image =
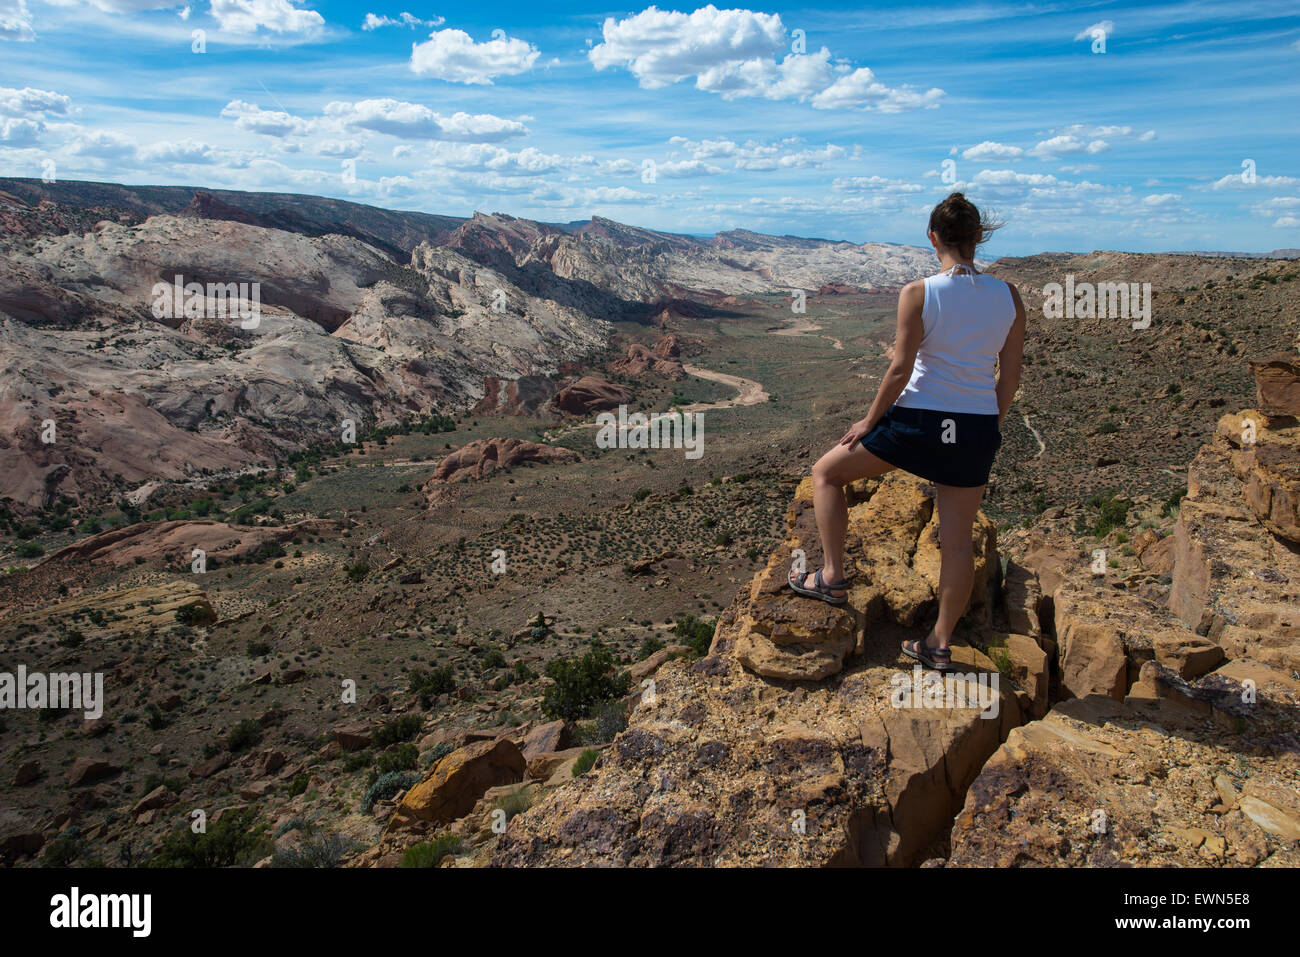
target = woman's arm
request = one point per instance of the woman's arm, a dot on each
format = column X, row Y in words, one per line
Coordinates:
column 1010, row 358
column 910, row 332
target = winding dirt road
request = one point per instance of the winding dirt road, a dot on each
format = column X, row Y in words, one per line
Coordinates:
column 748, row 392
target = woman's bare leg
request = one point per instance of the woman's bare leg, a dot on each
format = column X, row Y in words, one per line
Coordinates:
column 834, row 470
column 957, row 508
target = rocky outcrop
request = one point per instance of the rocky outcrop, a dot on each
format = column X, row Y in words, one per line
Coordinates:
column 590, row 394
column 174, row 542
column 482, row 457
column 660, row 361
column 1175, row 738
column 803, row 738
column 527, row 395
column 893, row 556
column 1277, row 384
column 454, row 785
column 1137, row 724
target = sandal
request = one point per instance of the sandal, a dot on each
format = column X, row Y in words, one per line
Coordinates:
column 940, row 659
column 820, row 589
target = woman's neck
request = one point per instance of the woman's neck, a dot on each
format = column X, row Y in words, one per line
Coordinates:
column 949, row 259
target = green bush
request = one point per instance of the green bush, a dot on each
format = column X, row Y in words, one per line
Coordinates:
column 318, row 850
column 244, row 735
column 436, row 754
column 583, row 683
column 386, row 787
column 403, row 728
column 610, row 719
column 429, row 684
column 404, row 757
column 516, row 801
column 236, row 839
column 649, row 645
column 432, row 852
column 585, row 762
column 695, row 633
column 1112, row 513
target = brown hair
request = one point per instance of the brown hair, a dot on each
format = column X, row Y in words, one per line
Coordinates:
column 960, row 226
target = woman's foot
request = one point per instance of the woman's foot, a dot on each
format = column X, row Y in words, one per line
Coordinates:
column 937, row 655
column 812, row 585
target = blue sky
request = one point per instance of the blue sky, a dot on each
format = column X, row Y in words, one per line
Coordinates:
column 1087, row 126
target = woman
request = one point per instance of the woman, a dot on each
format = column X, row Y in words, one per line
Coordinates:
column 938, row 415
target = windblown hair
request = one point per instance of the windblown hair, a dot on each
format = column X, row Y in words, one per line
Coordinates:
column 960, row 226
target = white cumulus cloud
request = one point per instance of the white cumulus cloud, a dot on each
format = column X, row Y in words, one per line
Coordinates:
column 416, row 121
column 454, row 56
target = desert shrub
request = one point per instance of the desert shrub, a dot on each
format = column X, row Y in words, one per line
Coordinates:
column 244, row 735
column 695, row 633
column 257, row 649
column 236, row 839
column 386, row 787
column 64, row 849
column 649, row 645
column 403, row 728
column 192, row 614
column 404, row 757
column 29, row 550
column 1112, row 512
column 429, row 684
column 522, row 672
column 358, row 571
column 609, row 720
column 436, row 754
column 585, row 762
column 430, row 853
column 516, row 801
column 583, row 683
column 323, row 850
column 299, row 784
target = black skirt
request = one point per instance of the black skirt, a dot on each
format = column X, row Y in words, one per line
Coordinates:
column 946, row 448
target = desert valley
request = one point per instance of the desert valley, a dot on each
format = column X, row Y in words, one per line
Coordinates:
column 366, row 586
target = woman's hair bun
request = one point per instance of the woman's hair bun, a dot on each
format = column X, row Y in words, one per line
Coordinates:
column 960, row 225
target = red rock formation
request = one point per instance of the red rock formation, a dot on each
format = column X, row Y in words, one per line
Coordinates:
column 590, row 394
column 482, row 457
column 526, row 395
column 661, row 361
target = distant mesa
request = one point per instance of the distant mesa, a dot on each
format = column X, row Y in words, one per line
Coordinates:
column 590, row 394
column 482, row 457
column 206, row 206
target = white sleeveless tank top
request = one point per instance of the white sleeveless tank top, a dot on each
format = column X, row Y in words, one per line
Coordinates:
column 966, row 317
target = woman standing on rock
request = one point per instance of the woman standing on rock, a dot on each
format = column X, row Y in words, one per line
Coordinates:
column 938, row 415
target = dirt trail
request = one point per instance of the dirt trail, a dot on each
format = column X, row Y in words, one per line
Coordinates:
column 803, row 327
column 748, row 391
column 1042, row 446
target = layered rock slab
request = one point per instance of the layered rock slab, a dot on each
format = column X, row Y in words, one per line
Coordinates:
column 892, row 553
column 721, row 767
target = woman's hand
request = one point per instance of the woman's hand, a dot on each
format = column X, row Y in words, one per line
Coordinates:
column 855, row 433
